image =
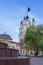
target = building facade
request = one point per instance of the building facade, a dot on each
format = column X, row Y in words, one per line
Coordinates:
column 5, row 38
column 24, row 25
column 22, row 30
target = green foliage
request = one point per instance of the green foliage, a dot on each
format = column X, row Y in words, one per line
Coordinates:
column 33, row 36
column 40, row 31
column 40, row 45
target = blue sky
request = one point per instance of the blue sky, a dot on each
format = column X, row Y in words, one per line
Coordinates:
column 13, row 11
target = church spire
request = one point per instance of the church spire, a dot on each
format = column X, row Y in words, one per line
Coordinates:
column 33, row 22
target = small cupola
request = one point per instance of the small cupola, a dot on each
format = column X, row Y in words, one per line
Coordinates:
column 33, row 22
column 21, row 22
column 27, row 17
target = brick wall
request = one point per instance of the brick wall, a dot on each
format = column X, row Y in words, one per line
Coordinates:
column 7, row 52
column 15, row 61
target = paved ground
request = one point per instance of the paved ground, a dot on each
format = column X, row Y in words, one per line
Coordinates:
column 36, row 61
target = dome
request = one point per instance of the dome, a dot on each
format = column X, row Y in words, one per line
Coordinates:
column 33, row 20
column 21, row 22
column 27, row 17
column 5, row 36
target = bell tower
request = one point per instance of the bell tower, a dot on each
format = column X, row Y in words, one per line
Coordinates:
column 23, row 26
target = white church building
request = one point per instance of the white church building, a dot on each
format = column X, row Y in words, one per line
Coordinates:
column 22, row 30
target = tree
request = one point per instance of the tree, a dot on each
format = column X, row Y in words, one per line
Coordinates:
column 32, row 38
column 40, row 30
column 40, row 45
